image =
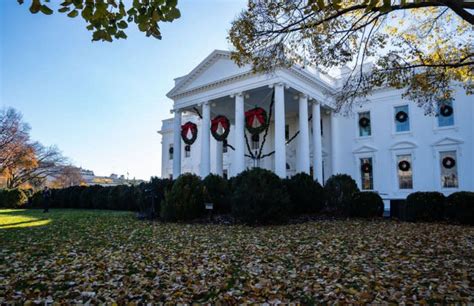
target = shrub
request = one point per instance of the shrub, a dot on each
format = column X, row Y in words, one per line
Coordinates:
column 306, row 194
column 460, row 207
column 218, row 192
column 259, row 196
column 12, row 198
column 185, row 200
column 425, row 206
column 366, row 205
column 338, row 192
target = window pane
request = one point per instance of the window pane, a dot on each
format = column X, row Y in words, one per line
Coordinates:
column 405, row 172
column 364, row 124
column 449, row 169
column 445, row 113
column 400, row 124
column 366, row 172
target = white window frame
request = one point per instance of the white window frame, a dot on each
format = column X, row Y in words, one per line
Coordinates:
column 395, row 155
column 365, row 151
column 443, row 149
column 438, row 128
column 357, row 127
column 362, row 156
column 393, row 122
column 169, row 147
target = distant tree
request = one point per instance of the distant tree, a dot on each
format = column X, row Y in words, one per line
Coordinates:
column 68, row 176
column 108, row 19
column 38, row 163
column 426, row 47
column 14, row 137
column 21, row 160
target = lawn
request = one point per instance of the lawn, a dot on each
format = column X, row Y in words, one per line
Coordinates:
column 99, row 256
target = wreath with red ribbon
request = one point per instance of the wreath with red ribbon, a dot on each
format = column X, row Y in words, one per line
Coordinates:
column 189, row 132
column 256, row 120
column 220, row 127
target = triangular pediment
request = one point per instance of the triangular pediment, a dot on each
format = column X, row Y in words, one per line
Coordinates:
column 216, row 67
column 364, row 149
column 447, row 141
column 402, row 145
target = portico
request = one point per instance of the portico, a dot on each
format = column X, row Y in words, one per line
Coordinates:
column 286, row 95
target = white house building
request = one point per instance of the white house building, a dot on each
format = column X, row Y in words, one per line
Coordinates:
column 387, row 145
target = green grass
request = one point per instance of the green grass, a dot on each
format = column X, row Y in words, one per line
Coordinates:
column 106, row 256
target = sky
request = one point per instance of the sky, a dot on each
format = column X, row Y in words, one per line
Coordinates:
column 102, row 103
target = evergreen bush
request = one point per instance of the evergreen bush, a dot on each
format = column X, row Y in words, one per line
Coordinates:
column 338, row 192
column 185, row 200
column 366, row 205
column 425, row 206
column 12, row 198
column 218, row 193
column 306, row 194
column 460, row 207
column 260, row 197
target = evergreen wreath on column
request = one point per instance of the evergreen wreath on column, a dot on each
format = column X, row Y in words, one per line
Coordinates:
column 256, row 120
column 189, row 132
column 220, row 127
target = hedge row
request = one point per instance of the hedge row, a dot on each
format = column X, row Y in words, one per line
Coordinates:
column 434, row 206
column 13, row 198
column 255, row 196
column 258, row 196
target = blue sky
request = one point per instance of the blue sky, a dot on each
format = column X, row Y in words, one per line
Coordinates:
column 102, row 103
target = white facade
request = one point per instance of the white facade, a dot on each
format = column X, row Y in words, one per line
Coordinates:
column 217, row 86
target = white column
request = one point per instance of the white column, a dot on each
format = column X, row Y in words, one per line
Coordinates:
column 206, row 140
column 334, row 135
column 280, row 146
column 239, row 153
column 317, row 143
column 303, row 143
column 219, row 158
column 177, row 144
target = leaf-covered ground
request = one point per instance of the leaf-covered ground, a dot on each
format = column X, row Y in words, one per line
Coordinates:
column 99, row 256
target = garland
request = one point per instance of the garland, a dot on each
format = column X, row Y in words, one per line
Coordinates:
column 256, row 120
column 220, row 128
column 189, row 127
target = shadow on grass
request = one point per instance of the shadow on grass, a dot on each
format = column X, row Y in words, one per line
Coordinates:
column 21, row 218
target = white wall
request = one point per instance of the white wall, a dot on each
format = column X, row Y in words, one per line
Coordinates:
column 424, row 141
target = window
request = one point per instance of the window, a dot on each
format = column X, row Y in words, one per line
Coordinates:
column 449, row 169
column 404, row 172
column 321, row 123
column 364, row 124
column 287, row 132
column 366, row 173
column 187, row 151
column 402, row 119
column 170, row 152
column 255, row 142
column 445, row 113
column 225, row 173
